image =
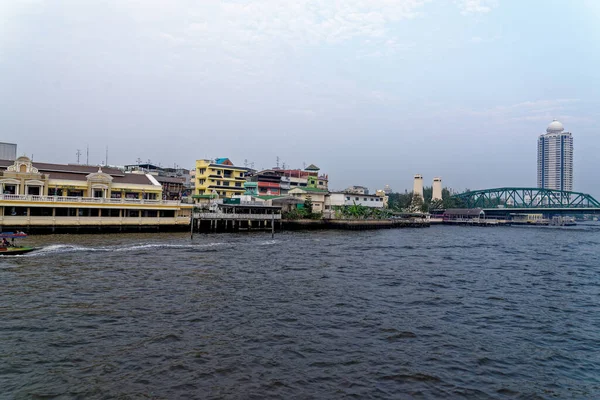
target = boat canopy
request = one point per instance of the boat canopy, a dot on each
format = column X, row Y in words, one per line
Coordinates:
column 12, row 235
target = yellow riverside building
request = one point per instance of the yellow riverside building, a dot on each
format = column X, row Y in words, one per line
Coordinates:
column 40, row 196
column 218, row 177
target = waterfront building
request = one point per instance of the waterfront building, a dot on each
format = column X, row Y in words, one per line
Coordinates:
column 269, row 182
column 309, row 177
column 384, row 195
column 340, row 199
column 555, row 158
column 357, row 190
column 316, row 195
column 143, row 168
column 219, row 177
column 59, row 195
column 173, row 188
column 176, row 181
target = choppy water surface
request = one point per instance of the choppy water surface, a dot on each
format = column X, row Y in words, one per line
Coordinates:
column 429, row 313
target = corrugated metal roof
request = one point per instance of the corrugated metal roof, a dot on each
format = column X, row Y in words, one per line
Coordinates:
column 80, row 172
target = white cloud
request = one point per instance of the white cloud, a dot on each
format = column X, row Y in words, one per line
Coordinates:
column 476, row 6
column 305, row 22
column 530, row 110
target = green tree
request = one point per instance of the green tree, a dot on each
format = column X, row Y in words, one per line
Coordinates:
column 308, row 205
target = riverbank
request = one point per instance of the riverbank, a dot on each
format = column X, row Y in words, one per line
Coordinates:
column 347, row 224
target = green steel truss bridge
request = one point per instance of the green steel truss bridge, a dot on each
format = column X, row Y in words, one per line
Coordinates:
column 510, row 199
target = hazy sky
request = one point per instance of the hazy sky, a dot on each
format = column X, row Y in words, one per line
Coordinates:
column 371, row 91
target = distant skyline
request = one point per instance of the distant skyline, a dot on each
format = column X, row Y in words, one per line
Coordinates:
column 372, row 92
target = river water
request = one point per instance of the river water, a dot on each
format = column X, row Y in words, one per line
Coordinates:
column 427, row 313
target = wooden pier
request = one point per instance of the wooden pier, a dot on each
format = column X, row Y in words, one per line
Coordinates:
column 236, row 218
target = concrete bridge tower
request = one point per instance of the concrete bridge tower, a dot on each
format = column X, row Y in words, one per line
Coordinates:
column 418, row 185
column 437, row 189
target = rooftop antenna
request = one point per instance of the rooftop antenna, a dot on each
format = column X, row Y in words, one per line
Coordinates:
column 246, row 162
column 78, row 155
column 277, row 162
column 106, row 157
column 138, row 161
column 87, row 155
column 304, row 164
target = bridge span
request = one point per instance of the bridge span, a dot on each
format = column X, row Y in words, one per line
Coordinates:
column 513, row 200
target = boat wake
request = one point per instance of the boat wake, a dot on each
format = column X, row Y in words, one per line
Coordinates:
column 69, row 248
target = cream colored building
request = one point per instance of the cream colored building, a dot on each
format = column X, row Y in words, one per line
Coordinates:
column 317, row 196
column 43, row 194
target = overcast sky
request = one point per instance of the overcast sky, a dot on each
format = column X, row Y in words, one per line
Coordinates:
column 371, row 91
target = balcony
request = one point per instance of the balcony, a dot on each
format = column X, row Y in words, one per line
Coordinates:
column 235, row 216
column 85, row 200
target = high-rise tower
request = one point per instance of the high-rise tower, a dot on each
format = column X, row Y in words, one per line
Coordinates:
column 555, row 158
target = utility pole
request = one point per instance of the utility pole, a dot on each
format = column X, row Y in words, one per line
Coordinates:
column 78, row 155
column 273, row 224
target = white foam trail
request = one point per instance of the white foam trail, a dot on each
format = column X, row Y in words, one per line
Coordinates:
column 268, row 242
column 67, row 248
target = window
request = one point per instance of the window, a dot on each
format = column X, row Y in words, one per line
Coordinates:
column 238, row 184
column 132, row 213
column 40, row 212
column 10, row 189
column 15, row 211
column 356, row 198
column 201, row 171
column 347, row 197
column 33, row 190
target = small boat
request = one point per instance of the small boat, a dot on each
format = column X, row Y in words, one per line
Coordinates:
column 9, row 248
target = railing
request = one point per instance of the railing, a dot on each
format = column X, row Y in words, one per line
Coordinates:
column 76, row 199
column 237, row 216
column 23, row 220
